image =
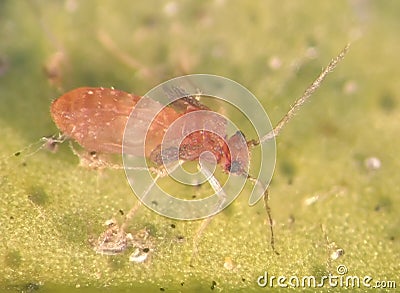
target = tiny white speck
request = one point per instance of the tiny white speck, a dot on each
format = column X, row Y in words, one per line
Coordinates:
column 109, row 222
column 138, row 256
column 275, row 62
column 228, row 264
column 90, row 92
column 311, row 200
column 337, row 253
column 171, row 8
column 71, row 5
column 220, row 2
column 350, row 87
column 372, row 163
column 312, row 52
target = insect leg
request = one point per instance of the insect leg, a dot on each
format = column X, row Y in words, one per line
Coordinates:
column 94, row 160
column 134, row 209
column 268, row 210
column 216, row 186
column 115, row 239
column 160, row 172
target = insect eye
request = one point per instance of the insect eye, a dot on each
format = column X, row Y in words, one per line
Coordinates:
column 236, row 167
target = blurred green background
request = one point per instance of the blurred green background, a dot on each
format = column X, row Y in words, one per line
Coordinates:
column 337, row 161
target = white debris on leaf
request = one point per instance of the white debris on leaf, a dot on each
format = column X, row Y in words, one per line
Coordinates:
column 114, row 241
column 139, row 255
column 372, row 163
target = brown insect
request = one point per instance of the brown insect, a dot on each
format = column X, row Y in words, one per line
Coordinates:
column 96, row 118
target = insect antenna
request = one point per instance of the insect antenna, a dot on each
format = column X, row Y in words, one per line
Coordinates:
column 289, row 115
column 46, row 142
column 303, row 98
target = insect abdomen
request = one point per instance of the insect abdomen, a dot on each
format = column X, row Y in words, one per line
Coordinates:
column 94, row 117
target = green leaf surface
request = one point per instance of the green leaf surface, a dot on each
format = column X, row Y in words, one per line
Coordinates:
column 336, row 179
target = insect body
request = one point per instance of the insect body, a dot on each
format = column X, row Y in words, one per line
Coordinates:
column 96, row 119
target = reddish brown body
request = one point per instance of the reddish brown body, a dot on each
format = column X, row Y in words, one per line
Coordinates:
column 96, row 119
